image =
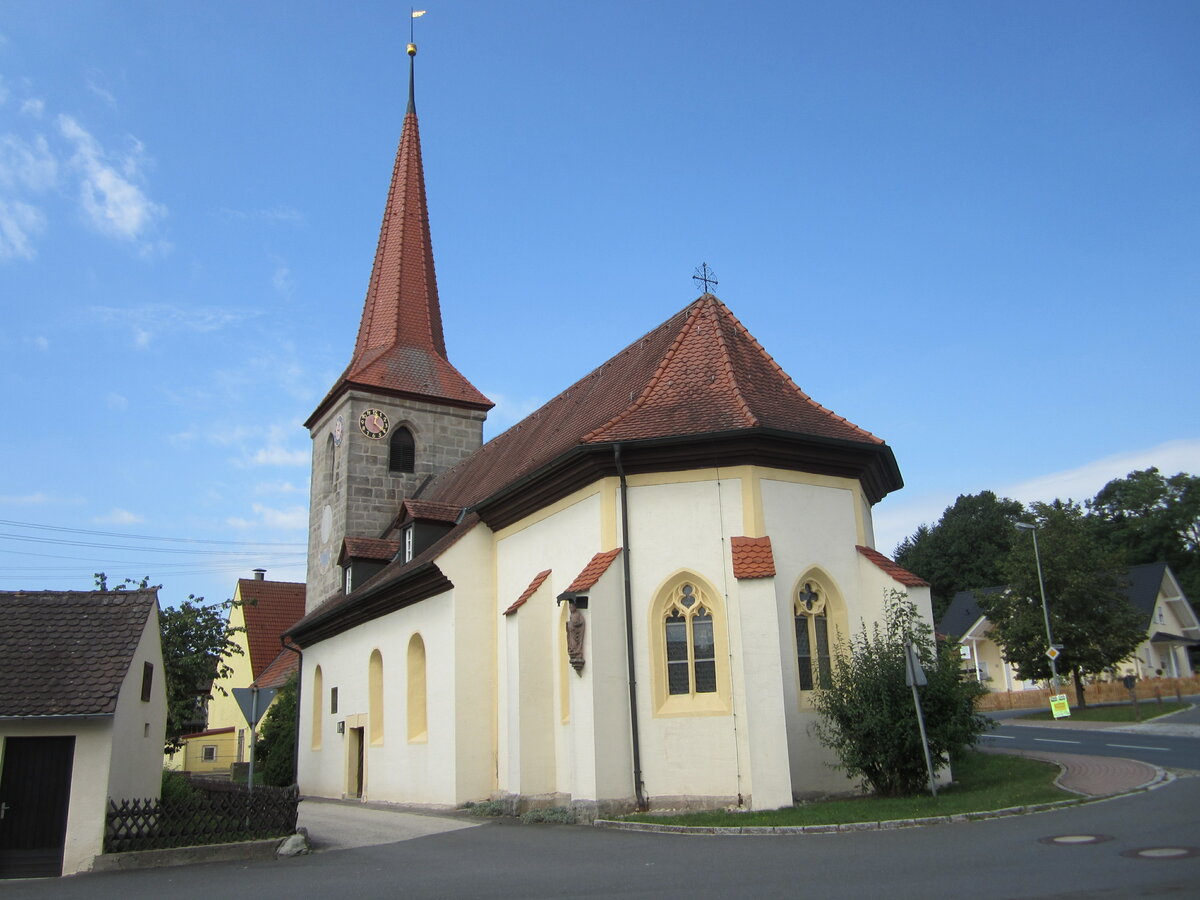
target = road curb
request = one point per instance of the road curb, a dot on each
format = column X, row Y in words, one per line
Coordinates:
column 1161, row 778
column 186, row 856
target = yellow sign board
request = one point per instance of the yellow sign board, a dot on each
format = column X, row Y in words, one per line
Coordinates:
column 1059, row 706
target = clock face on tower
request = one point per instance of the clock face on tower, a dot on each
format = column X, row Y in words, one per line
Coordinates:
column 373, row 423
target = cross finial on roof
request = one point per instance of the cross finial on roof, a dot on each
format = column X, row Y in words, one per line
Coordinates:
column 704, row 276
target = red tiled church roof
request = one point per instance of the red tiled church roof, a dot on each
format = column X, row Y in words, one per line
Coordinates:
column 752, row 557
column 700, row 372
column 892, row 568
column 529, row 592
column 270, row 608
column 400, row 347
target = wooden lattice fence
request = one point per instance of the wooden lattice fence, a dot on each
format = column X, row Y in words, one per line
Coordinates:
column 207, row 817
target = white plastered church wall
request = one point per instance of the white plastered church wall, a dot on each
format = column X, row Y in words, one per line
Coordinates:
column 397, row 770
column 535, row 757
column 684, row 525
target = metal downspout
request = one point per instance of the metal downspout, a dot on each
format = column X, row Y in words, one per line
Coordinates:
column 633, row 715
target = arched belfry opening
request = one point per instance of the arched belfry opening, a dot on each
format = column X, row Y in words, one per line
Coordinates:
column 402, row 452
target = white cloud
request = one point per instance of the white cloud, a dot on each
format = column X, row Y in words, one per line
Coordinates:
column 40, row 342
column 112, row 203
column 117, row 402
column 282, row 280
column 150, row 321
column 33, row 107
column 27, row 164
column 1085, row 481
column 897, row 519
column 278, row 487
column 19, row 224
column 276, row 455
column 118, row 516
column 102, row 92
column 293, row 518
column 35, row 499
column 276, row 214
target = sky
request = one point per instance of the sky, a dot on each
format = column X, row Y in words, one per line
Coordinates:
column 970, row 228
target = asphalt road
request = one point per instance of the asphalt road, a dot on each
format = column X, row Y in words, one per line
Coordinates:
column 1011, row 857
column 1167, row 751
column 1172, row 742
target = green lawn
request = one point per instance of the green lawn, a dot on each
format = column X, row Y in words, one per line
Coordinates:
column 1147, row 709
column 983, row 781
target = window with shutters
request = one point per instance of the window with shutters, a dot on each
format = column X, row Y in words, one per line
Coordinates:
column 402, row 455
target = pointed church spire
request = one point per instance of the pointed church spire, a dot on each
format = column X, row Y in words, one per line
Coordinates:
column 400, row 347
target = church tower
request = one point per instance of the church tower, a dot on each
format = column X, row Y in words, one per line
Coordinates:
column 400, row 412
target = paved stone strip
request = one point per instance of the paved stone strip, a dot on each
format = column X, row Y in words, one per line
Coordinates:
column 1097, row 776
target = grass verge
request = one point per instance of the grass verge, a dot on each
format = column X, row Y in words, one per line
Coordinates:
column 1147, row 709
column 982, row 781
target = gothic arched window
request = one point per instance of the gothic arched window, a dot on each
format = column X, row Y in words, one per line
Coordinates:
column 812, row 636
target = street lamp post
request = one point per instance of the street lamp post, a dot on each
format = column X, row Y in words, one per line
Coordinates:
column 1032, row 529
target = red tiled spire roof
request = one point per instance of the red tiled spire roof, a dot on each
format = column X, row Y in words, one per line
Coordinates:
column 892, row 568
column 752, row 557
column 700, row 372
column 400, row 347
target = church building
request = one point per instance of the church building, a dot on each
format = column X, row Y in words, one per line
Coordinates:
column 625, row 600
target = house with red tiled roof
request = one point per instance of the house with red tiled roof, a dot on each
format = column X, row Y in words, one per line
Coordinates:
column 260, row 614
column 83, row 713
column 626, row 599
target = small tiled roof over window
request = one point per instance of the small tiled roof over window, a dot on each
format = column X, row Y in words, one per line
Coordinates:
column 892, row 568
column 593, row 570
column 528, row 592
column 65, row 653
column 271, row 608
column 752, row 557
column 368, row 548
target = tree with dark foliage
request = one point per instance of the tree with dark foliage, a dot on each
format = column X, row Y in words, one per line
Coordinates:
column 1090, row 614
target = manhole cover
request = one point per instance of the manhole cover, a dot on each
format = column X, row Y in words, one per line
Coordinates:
column 1163, row 853
column 1070, row 839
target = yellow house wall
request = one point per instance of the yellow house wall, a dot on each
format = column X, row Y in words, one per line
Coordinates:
column 223, row 709
column 226, row 745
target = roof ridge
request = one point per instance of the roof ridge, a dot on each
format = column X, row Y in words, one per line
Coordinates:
column 720, row 308
column 654, row 380
column 779, row 370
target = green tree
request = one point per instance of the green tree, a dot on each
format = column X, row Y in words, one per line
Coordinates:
column 965, row 550
column 1152, row 518
column 1090, row 615
column 866, row 713
column 196, row 642
column 276, row 749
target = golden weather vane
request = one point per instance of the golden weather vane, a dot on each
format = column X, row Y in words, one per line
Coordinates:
column 416, row 14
